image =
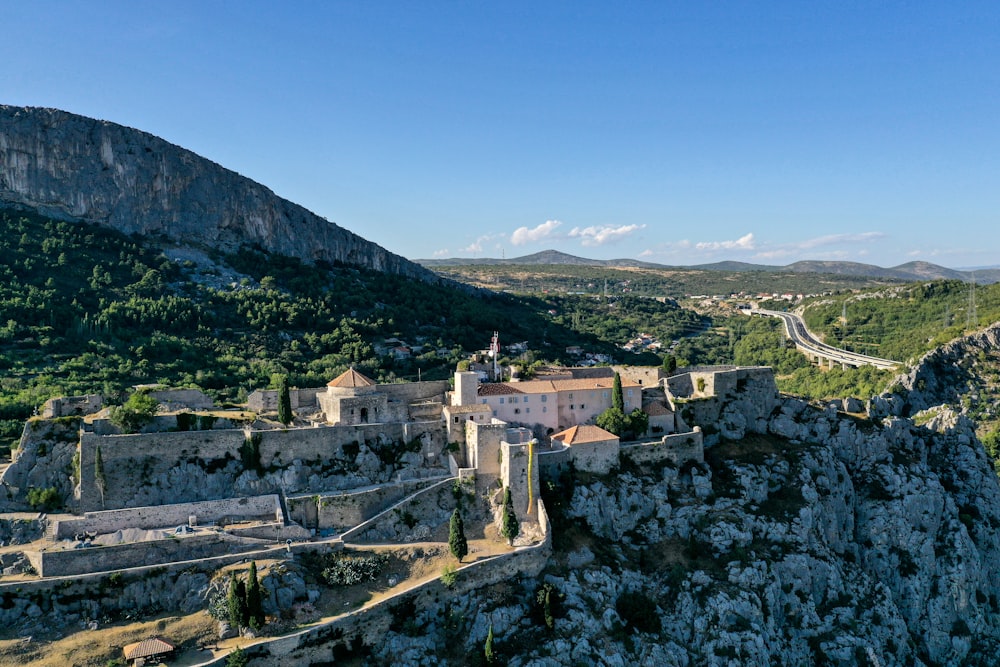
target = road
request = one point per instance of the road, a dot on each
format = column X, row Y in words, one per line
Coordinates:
column 795, row 329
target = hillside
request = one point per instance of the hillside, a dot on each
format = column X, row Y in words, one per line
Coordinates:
column 908, row 272
column 74, row 168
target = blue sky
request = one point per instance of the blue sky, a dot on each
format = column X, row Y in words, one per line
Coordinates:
column 677, row 132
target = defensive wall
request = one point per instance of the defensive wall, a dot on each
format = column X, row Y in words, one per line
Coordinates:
column 67, row 562
column 413, row 519
column 677, row 448
column 169, row 587
column 343, row 510
column 328, row 642
column 404, row 393
column 165, row 516
column 702, row 396
column 130, row 460
column 166, row 424
column 69, row 406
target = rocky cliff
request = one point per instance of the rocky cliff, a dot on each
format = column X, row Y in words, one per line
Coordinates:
column 809, row 538
column 81, row 169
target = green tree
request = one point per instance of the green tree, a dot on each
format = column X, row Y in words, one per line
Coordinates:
column 456, row 536
column 136, row 412
column 488, row 652
column 637, row 423
column 509, row 525
column 255, row 608
column 612, row 420
column 99, row 479
column 284, row 401
column 238, row 658
column 669, row 364
column 617, row 397
column 236, row 602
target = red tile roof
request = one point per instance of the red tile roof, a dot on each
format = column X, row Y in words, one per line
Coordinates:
column 148, row 648
column 577, row 435
column 351, row 379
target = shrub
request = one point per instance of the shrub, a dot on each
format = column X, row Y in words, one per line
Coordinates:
column 44, row 499
column 638, row 611
column 349, row 570
column 449, row 575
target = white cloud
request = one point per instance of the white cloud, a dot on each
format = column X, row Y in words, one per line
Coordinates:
column 443, row 252
column 523, row 235
column 592, row 236
column 743, row 243
column 477, row 245
column 795, row 250
column 833, row 239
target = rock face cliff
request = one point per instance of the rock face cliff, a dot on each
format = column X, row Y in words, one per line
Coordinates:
column 810, row 537
column 80, row 169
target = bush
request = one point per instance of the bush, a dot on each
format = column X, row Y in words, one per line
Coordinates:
column 351, row 570
column 638, row 611
column 44, row 499
column 138, row 411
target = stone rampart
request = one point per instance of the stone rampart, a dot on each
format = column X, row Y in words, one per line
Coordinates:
column 67, row 406
column 164, row 424
column 552, row 463
column 368, row 626
column 341, row 511
column 677, row 447
column 67, row 562
column 410, row 520
column 167, row 516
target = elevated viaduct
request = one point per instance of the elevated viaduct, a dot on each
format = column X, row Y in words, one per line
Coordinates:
column 815, row 349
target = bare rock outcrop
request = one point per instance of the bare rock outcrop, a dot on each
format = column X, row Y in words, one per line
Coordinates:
column 75, row 168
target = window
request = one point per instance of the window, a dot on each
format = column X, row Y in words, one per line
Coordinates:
column 571, row 397
column 604, row 394
column 525, row 399
column 501, row 400
column 517, row 411
column 626, row 404
column 544, row 409
column 582, row 406
column 544, row 398
column 572, row 407
column 456, row 420
column 527, row 410
column 629, row 392
column 484, row 401
column 494, row 413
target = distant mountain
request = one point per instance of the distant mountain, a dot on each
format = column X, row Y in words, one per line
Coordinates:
column 909, row 272
column 79, row 169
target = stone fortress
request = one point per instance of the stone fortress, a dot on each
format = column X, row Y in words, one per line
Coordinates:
column 361, row 461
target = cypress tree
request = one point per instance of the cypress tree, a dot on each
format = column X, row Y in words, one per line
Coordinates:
column 284, row 402
column 509, row 525
column 255, row 609
column 456, row 536
column 99, row 479
column 617, row 398
column 236, row 602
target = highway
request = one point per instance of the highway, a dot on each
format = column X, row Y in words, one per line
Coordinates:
column 805, row 341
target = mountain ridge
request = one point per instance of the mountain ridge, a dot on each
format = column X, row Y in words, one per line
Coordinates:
column 910, row 271
column 81, row 169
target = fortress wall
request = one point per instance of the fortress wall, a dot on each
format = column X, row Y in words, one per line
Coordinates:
column 342, row 511
column 411, row 520
column 160, row 424
column 167, row 516
column 678, row 447
column 319, row 644
column 129, row 459
column 552, row 463
column 68, row 562
column 279, row 448
column 408, row 392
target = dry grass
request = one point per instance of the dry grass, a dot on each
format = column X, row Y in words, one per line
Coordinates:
column 96, row 648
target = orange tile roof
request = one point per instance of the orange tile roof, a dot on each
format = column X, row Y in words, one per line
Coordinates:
column 552, row 386
column 577, row 435
column 351, row 379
